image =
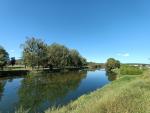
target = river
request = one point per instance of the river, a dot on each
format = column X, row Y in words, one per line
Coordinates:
column 42, row 91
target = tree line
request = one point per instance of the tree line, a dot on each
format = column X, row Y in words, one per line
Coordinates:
column 36, row 54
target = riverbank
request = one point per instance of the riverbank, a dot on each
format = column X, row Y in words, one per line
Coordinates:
column 21, row 70
column 14, row 73
column 128, row 94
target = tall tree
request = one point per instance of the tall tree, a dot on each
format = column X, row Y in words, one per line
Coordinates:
column 4, row 57
column 58, row 56
column 34, row 51
column 76, row 59
column 37, row 53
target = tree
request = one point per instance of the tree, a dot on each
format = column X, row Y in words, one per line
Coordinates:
column 4, row 57
column 75, row 58
column 112, row 64
column 12, row 61
column 34, row 52
column 37, row 53
column 58, row 56
column 83, row 61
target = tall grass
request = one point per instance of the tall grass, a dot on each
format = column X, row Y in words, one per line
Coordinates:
column 22, row 110
column 129, row 94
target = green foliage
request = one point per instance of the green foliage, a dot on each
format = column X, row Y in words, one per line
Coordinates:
column 36, row 53
column 129, row 94
column 58, row 55
column 13, row 61
column 21, row 110
column 76, row 59
column 111, row 75
column 4, row 57
column 93, row 65
column 130, row 70
column 112, row 64
column 49, row 87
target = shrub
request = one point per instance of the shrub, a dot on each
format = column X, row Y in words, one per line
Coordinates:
column 130, row 70
column 112, row 64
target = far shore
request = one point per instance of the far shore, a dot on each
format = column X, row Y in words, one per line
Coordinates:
column 21, row 71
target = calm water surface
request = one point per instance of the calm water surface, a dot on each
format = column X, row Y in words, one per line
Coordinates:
column 42, row 91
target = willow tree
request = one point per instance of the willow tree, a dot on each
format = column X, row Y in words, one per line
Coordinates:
column 4, row 57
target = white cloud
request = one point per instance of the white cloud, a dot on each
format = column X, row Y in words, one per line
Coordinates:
column 123, row 54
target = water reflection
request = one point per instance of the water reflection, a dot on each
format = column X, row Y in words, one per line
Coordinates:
column 48, row 89
column 2, row 84
column 111, row 75
column 42, row 90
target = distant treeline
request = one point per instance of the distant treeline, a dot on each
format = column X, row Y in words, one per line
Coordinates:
column 93, row 65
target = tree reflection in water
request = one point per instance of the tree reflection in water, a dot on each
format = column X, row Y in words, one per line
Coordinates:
column 111, row 75
column 2, row 85
column 48, row 88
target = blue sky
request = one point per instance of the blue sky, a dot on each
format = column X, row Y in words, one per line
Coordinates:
column 98, row 29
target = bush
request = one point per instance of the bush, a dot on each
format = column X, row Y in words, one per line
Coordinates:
column 130, row 70
column 112, row 64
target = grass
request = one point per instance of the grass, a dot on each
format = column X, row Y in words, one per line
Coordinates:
column 130, row 70
column 15, row 68
column 128, row 94
column 21, row 110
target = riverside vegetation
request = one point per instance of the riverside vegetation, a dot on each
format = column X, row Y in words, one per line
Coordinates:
column 129, row 93
column 38, row 55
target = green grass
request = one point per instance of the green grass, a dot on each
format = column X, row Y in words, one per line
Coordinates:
column 21, row 110
column 15, row 67
column 130, row 70
column 128, row 94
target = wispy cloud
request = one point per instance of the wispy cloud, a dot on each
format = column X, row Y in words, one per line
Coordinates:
column 123, row 54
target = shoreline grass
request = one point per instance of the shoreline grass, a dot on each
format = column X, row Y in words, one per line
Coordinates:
column 128, row 94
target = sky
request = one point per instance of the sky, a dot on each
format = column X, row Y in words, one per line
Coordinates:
column 98, row 29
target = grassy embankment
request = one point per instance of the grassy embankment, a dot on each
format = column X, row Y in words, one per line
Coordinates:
column 128, row 94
